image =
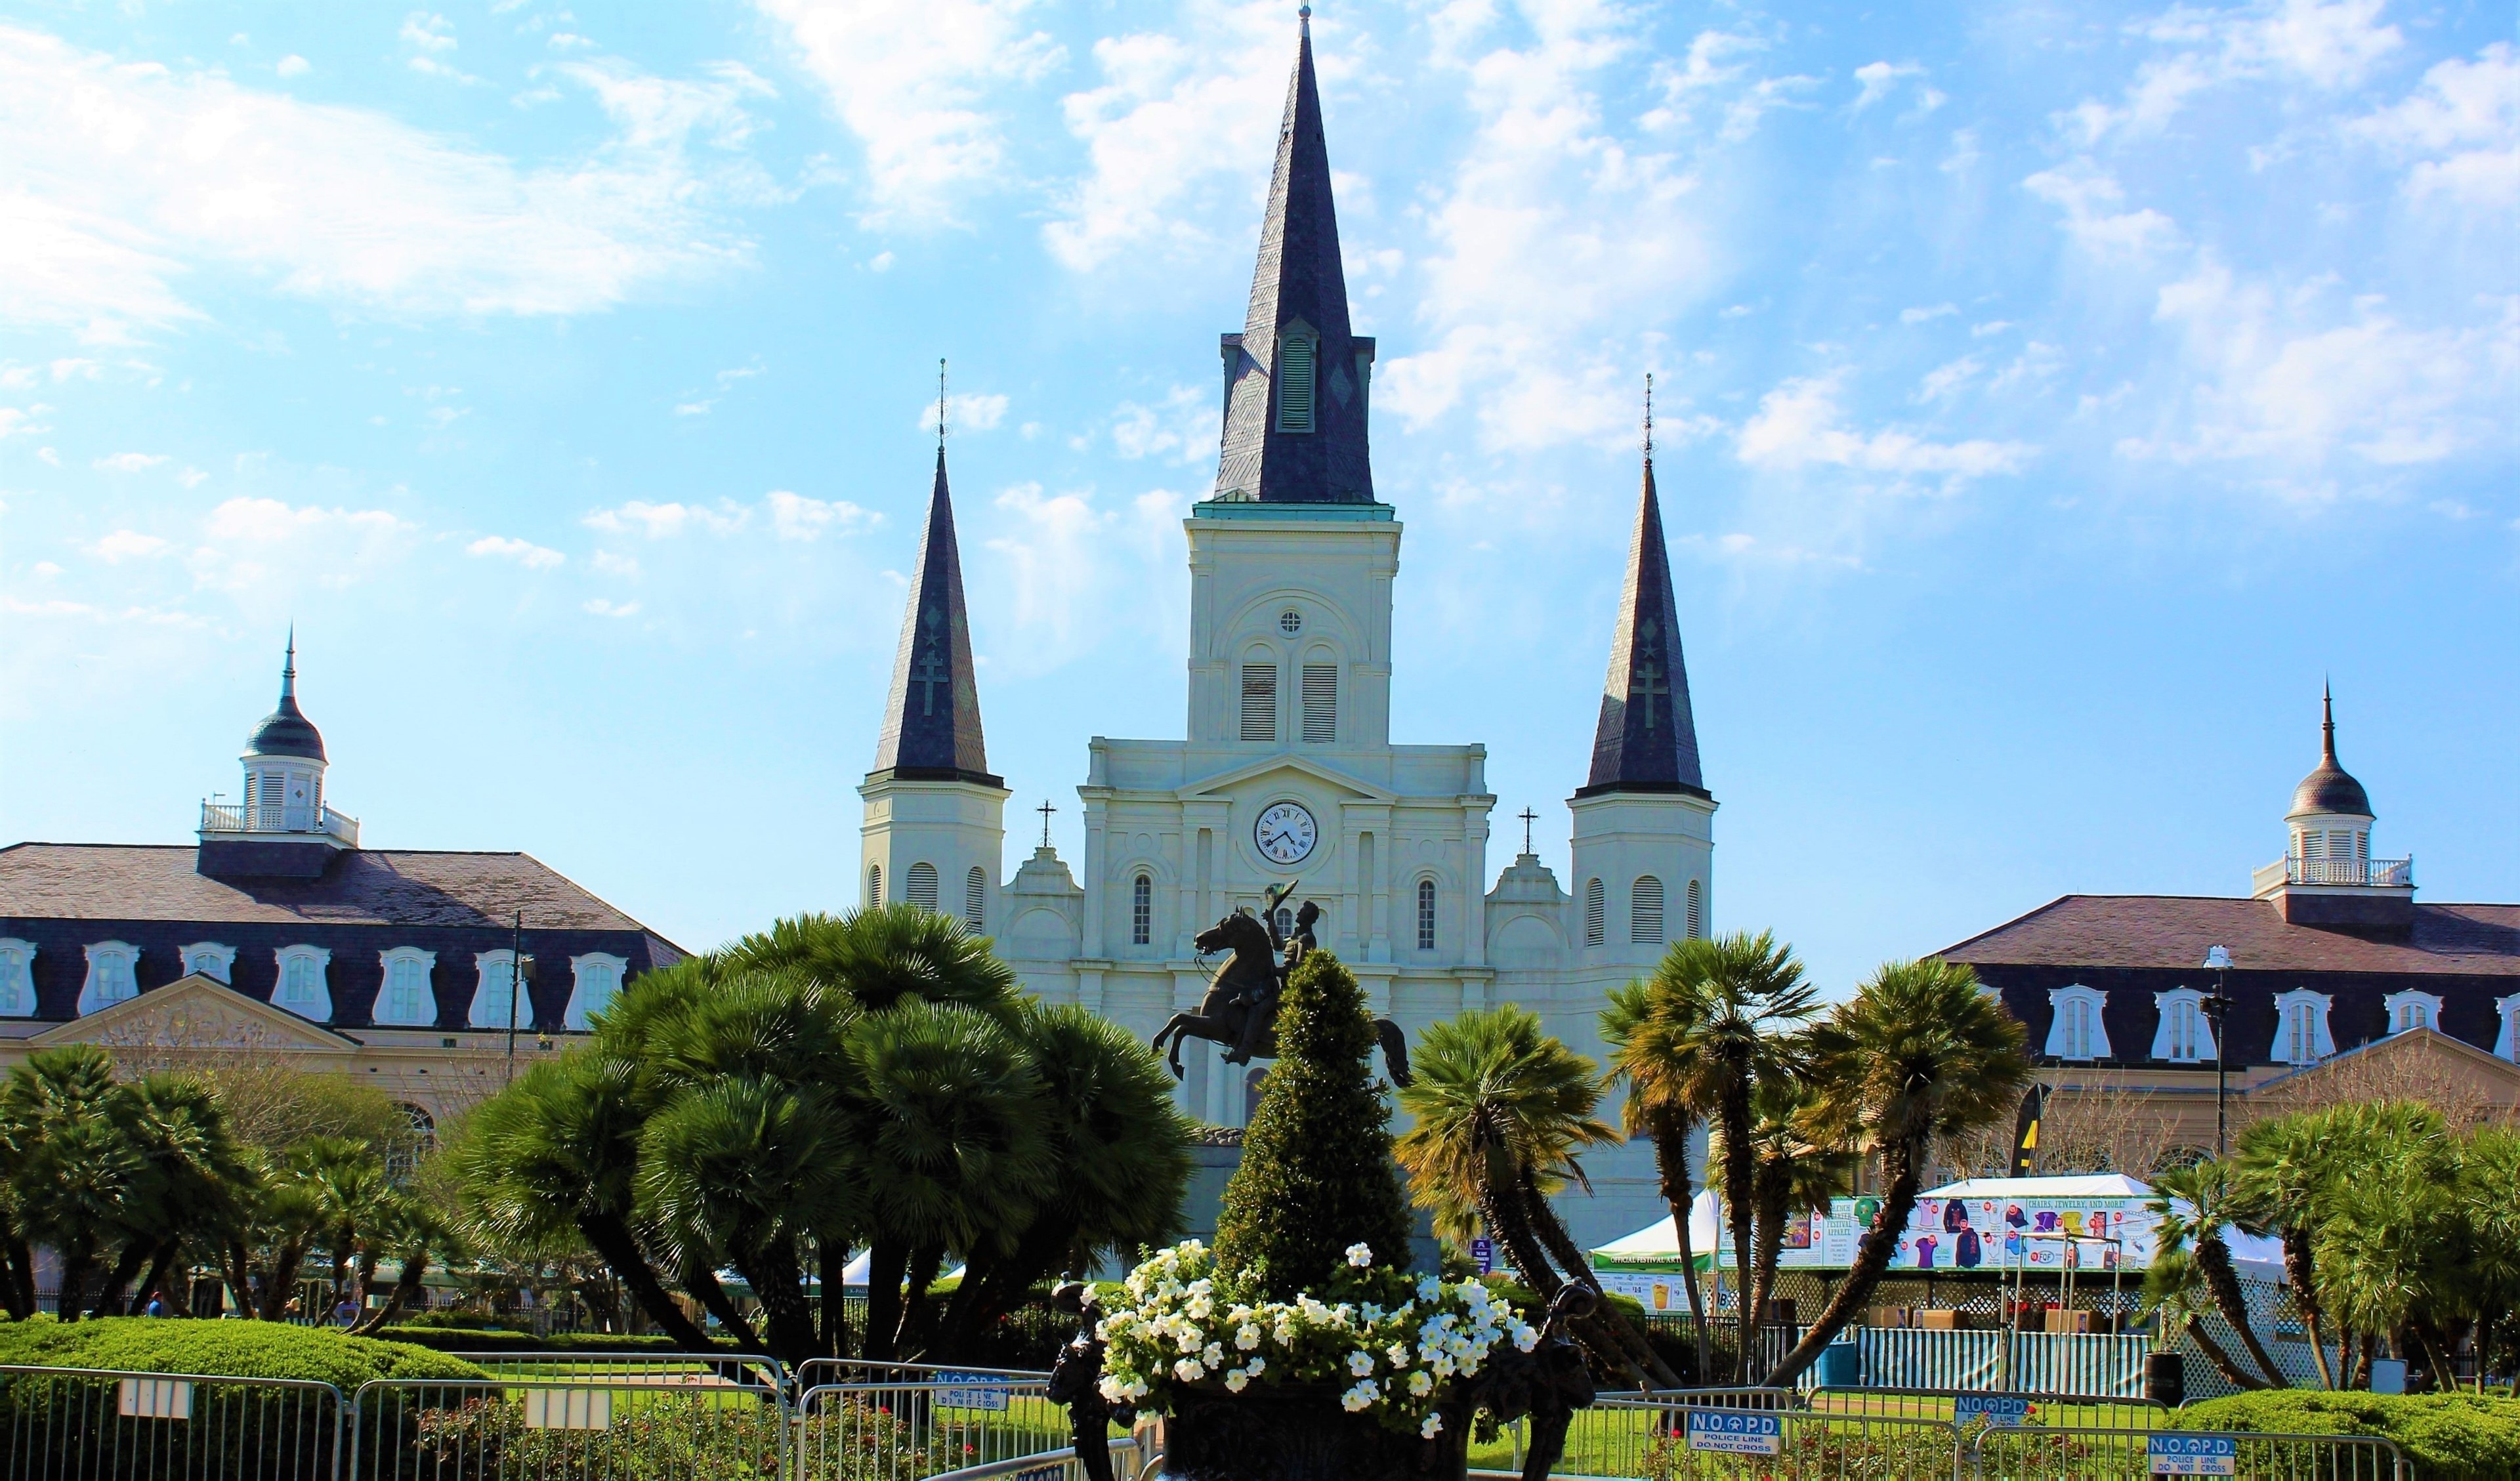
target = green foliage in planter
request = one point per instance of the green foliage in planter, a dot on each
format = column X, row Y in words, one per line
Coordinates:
column 232, row 1349
column 2448, row 1437
column 650, row 1436
column 1317, row 1173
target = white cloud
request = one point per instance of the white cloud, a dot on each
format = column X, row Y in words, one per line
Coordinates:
column 1798, row 425
column 117, row 180
column 794, row 516
column 294, row 65
column 15, row 420
column 1182, row 429
column 614, row 563
column 602, row 608
column 909, row 79
column 264, row 548
column 1175, row 116
column 1877, row 79
column 2289, row 380
column 702, row 406
column 2461, row 128
column 1946, row 380
column 524, row 552
column 1064, row 556
column 129, row 463
column 965, row 412
column 2326, row 46
column 1923, row 315
column 2087, row 196
column 664, row 521
column 424, row 32
column 129, row 544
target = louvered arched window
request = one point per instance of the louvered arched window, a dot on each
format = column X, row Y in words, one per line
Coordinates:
column 975, row 899
column 1296, row 367
column 922, row 887
column 1425, row 914
column 1142, row 910
column 1645, row 911
column 874, row 885
column 1696, row 912
column 1595, row 901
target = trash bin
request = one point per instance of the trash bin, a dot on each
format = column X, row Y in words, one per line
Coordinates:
column 1841, row 1364
column 2164, row 1379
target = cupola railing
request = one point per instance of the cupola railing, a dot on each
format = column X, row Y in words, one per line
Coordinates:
column 280, row 817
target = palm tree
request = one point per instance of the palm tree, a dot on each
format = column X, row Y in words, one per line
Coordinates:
column 2489, row 1171
column 2176, row 1299
column 882, row 953
column 1794, row 1174
column 1643, row 1024
column 2282, row 1173
column 2206, row 1189
column 1921, row 1053
column 413, row 1231
column 350, row 1179
column 2385, row 1246
column 1500, row 1111
column 193, row 1174
column 71, row 1182
column 1746, row 997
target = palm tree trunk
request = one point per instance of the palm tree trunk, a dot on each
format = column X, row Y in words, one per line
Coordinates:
column 832, row 1257
column 610, row 1239
column 1671, row 1160
column 886, row 1263
column 2298, row 1274
column 1649, row 1371
column 17, row 1278
column 407, row 1285
column 111, row 1301
column 702, row 1283
column 915, row 1303
column 1774, row 1187
column 281, row 1282
column 2214, row 1354
column 2445, row 1377
column 1902, row 1165
column 2214, row 1258
column 778, row 1283
column 1511, row 1229
column 161, row 1266
column 1740, row 1197
column 77, row 1266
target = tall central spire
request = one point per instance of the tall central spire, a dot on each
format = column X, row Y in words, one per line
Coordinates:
column 931, row 720
column 1646, row 737
column 1295, row 378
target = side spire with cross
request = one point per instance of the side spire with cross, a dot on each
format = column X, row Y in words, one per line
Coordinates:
column 932, row 719
column 1646, row 737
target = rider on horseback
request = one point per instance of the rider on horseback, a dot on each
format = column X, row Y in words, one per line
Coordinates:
column 1259, row 1000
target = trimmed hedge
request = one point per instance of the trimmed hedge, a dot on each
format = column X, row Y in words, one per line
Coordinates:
column 2448, row 1437
column 234, row 1349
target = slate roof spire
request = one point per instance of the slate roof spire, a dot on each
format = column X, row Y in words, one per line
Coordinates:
column 1296, row 379
column 931, row 720
column 286, row 731
column 1647, row 739
column 2330, row 788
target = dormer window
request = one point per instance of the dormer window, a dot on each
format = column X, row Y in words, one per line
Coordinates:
column 494, row 993
column 302, row 989
column 1298, row 366
column 113, row 975
column 406, row 996
column 209, row 959
column 2507, row 1018
column 2182, row 1037
column 2077, row 1029
column 597, row 977
column 16, row 979
column 2301, row 1028
column 2410, row 1010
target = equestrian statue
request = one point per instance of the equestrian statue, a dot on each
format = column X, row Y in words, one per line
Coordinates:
column 1240, row 1009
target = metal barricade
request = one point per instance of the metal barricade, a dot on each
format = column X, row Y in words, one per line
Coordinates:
column 1616, row 1429
column 817, row 1373
column 907, row 1431
column 98, row 1424
column 698, row 1368
column 1053, row 1466
column 1782, row 1444
column 2072, row 1455
column 1965, row 1407
column 596, row 1427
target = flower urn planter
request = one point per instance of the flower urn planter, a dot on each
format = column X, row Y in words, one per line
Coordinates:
column 1298, row 1432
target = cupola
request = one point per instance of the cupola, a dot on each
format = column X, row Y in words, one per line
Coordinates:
column 2328, row 875
column 280, row 825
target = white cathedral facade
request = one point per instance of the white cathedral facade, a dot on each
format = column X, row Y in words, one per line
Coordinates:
column 1286, row 773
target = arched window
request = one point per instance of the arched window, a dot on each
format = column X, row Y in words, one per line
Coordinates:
column 406, row 998
column 1696, row 908
column 403, row 1158
column 2302, row 1036
column 975, row 899
column 2409, row 1010
column 2506, row 1039
column 302, row 989
column 1594, row 912
column 113, row 975
column 2077, row 1029
column 209, row 959
column 1255, row 1084
column 1320, row 703
column 1285, row 924
column 1142, row 910
column 1259, row 701
column 1295, row 367
column 16, row 979
column 874, row 885
column 598, row 976
column 2183, row 1036
column 1645, row 911
column 922, row 887
column 1425, row 914
column 494, row 993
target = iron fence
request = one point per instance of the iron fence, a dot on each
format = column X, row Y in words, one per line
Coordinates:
column 815, row 1373
column 691, row 1370
column 897, row 1431
column 2074, row 1455
column 1984, row 1407
column 1057, row 1465
column 1701, row 1443
column 97, row 1424
column 592, row 1427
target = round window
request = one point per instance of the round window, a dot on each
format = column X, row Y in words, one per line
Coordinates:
column 1291, row 621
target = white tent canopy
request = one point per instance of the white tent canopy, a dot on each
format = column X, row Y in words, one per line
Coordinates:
column 855, row 1274
column 1659, row 1243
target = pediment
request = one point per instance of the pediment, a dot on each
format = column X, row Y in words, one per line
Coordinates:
column 2420, row 1063
column 1278, row 765
column 198, row 1012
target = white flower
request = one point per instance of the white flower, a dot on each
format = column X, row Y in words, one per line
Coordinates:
column 1398, row 1355
column 1114, row 1391
column 1422, row 1383
column 1359, row 1254
column 1255, row 1367
column 1433, row 1427
column 1429, row 1288
column 1525, row 1335
column 1236, row 1380
column 1247, row 1338
column 1188, row 1370
column 1360, row 1396
column 1360, row 1363
column 1214, row 1355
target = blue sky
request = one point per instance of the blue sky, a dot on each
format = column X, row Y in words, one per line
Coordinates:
column 2049, row 396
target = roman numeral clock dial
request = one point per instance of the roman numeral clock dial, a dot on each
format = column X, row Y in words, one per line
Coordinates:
column 1285, row 834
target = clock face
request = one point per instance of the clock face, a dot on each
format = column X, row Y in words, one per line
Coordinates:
column 1285, row 834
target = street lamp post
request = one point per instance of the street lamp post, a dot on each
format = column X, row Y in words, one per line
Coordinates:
column 520, row 977
column 2218, row 961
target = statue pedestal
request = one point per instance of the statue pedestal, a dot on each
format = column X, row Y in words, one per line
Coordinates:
column 1298, row 1433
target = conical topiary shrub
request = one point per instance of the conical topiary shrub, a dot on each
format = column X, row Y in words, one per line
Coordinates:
column 1317, row 1173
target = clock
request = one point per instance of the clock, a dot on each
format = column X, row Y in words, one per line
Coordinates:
column 1285, row 834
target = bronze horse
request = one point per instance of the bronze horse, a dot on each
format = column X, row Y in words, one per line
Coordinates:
column 1241, row 1007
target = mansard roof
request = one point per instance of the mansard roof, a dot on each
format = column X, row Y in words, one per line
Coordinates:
column 1646, row 737
column 2172, row 932
column 1299, row 283
column 391, row 887
column 932, row 719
